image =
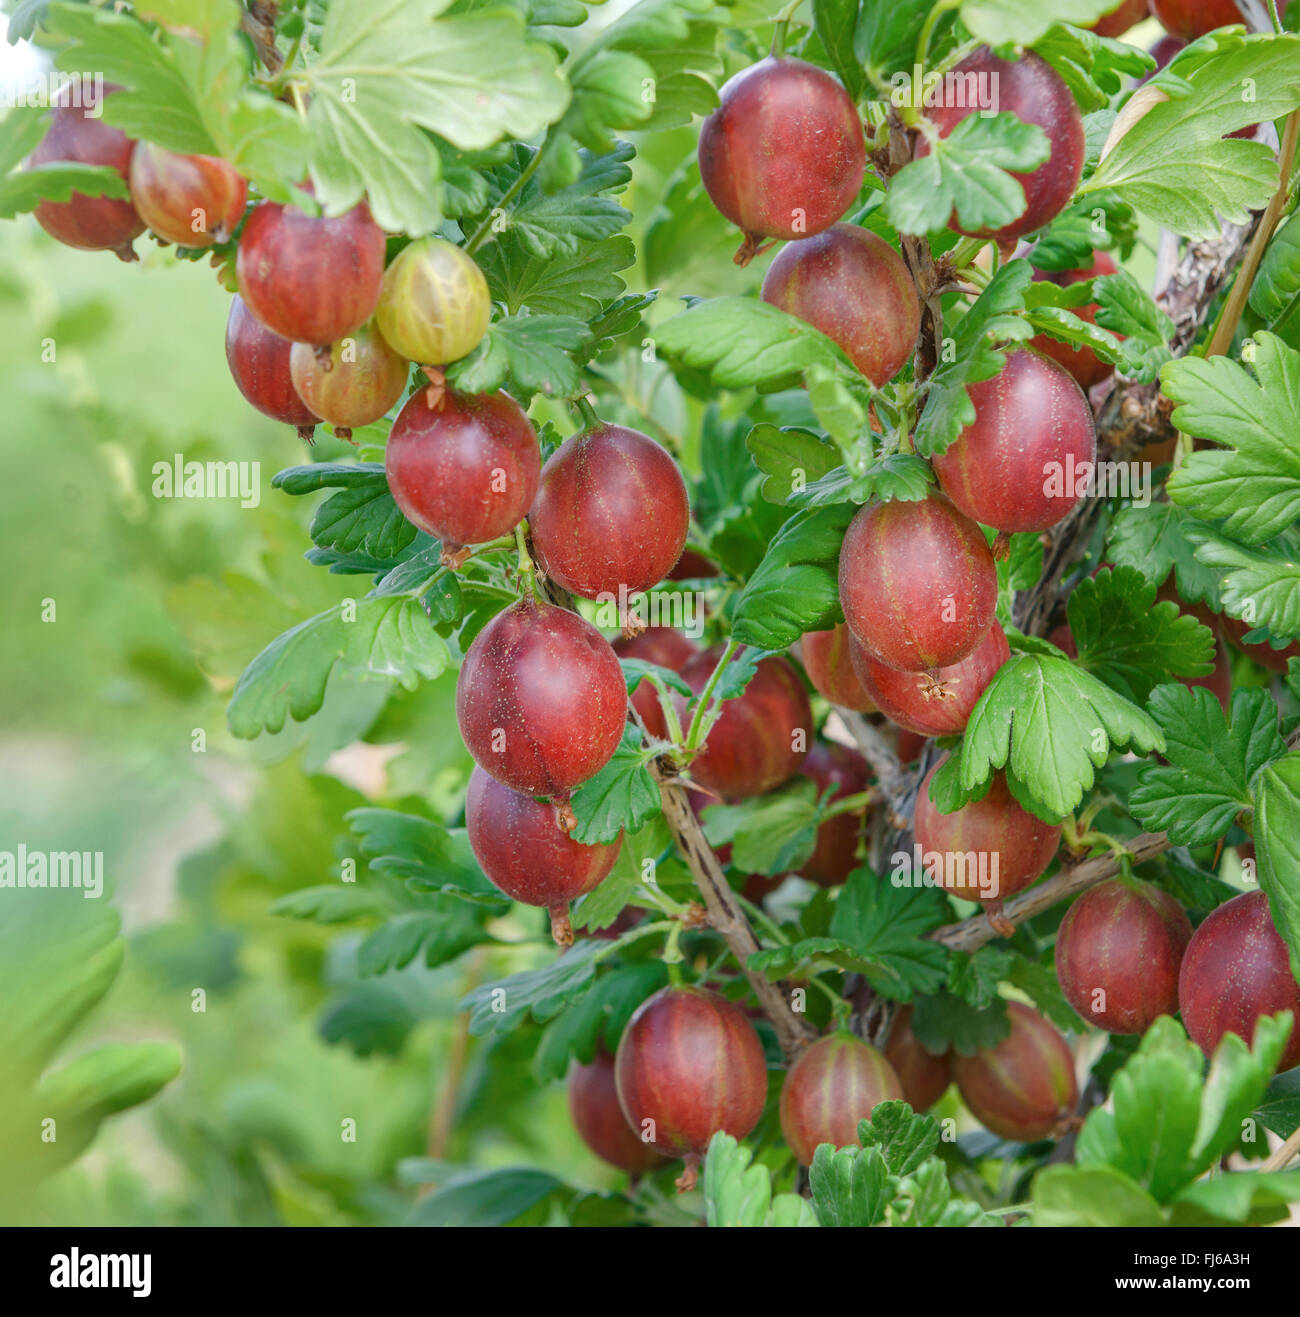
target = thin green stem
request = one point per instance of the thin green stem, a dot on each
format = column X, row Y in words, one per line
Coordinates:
column 586, row 412
column 782, row 25
column 706, row 696
column 850, row 804
column 527, row 568
column 768, row 925
column 515, row 188
column 927, row 31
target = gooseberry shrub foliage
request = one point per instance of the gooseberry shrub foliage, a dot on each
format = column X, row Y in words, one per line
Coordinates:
column 514, row 192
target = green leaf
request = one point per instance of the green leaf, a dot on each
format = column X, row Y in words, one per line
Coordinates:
column 968, row 173
column 906, row 1138
column 543, row 993
column 1253, row 483
column 1155, row 540
column 596, row 1019
column 1092, row 1196
column 621, row 797
column 790, row 458
column 1131, row 642
column 486, row 1198
column 1053, row 724
column 1244, row 1198
column 1164, row 1076
column 562, row 223
column 387, row 638
column 796, row 586
column 741, row 342
column 582, row 288
column 387, row 70
column 1277, row 285
column 1174, row 163
column 942, row 1022
column 1025, row 21
column 850, row 1186
column 835, row 22
column 974, row 357
column 334, row 903
column 1277, row 837
column 530, row 353
column 1213, row 761
column 770, row 834
column 423, row 853
column 1260, row 584
column 736, row 1193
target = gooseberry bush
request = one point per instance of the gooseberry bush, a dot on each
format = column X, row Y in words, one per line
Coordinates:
column 849, row 457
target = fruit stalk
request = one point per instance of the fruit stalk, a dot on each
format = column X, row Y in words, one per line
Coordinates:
column 725, row 914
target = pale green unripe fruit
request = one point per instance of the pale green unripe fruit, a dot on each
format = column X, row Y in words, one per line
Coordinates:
column 434, row 306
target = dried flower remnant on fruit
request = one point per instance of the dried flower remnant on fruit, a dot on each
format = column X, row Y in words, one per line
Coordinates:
column 191, row 200
column 517, row 842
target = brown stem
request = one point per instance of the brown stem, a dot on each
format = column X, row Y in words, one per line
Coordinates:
column 1236, row 302
column 893, row 779
column 1279, row 1159
column 258, row 22
column 1073, row 878
column 725, row 914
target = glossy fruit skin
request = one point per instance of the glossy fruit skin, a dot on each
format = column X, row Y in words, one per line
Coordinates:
column 191, row 200
column 751, row 748
column 523, row 850
column 924, row 1076
column 828, row 661
column 1125, row 942
column 365, row 378
column 611, row 513
column 994, row 827
column 1189, row 19
column 1084, row 365
column 259, row 362
column 1118, row 21
column 941, row 707
column 599, row 1120
column 1236, row 968
column 690, row 1062
column 834, row 857
column 854, row 287
column 465, row 469
column 308, row 278
column 667, row 648
column 1275, row 660
column 88, row 223
column 1023, row 1088
column 1035, row 93
column 903, row 567
column 783, row 155
column 540, row 699
column 833, row 1084
column 435, row 305
column 1032, row 423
